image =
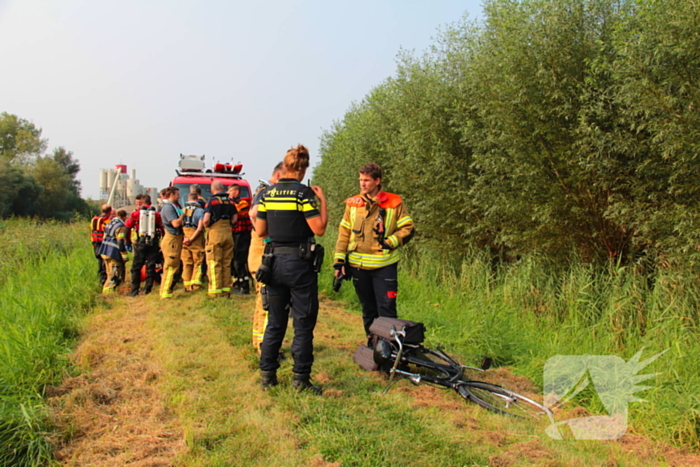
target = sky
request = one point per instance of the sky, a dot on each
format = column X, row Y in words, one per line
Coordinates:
column 138, row 82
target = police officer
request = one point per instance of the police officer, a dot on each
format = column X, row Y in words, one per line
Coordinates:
column 219, row 215
column 193, row 245
column 375, row 224
column 291, row 215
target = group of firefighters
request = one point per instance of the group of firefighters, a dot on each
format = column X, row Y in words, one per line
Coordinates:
column 284, row 217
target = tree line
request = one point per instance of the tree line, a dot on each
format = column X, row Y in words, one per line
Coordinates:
column 563, row 128
column 33, row 183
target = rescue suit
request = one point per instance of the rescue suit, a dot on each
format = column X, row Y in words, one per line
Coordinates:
column 241, row 241
column 219, row 246
column 146, row 249
column 113, row 252
column 369, row 235
column 171, row 247
column 192, row 253
column 255, row 253
column 97, row 233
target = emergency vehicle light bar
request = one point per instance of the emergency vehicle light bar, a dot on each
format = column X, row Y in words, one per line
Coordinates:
column 209, row 174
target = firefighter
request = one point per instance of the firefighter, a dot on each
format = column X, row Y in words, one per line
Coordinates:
column 291, row 215
column 193, row 244
column 375, row 224
column 113, row 252
column 146, row 247
column 219, row 215
column 241, row 241
column 257, row 247
column 97, row 227
column 171, row 245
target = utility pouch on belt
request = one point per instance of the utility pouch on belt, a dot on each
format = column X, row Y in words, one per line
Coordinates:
column 318, row 253
column 264, row 272
column 265, row 298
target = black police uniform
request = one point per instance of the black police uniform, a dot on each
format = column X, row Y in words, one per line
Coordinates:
column 286, row 206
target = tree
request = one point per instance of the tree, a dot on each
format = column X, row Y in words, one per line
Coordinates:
column 19, row 192
column 70, row 166
column 20, row 140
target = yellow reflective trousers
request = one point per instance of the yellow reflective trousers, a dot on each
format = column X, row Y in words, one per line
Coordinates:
column 257, row 247
column 219, row 252
column 171, row 246
column 192, row 259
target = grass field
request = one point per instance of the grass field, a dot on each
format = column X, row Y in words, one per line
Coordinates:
column 176, row 383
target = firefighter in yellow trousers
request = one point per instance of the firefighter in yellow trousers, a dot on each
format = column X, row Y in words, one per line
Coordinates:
column 257, row 248
column 219, row 216
column 171, row 245
column 113, row 252
column 193, row 245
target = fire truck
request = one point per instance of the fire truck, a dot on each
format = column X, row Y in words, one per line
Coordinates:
column 192, row 169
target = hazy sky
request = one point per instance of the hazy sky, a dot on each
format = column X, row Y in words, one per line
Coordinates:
column 139, row 82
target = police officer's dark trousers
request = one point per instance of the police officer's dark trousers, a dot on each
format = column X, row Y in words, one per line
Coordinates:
column 291, row 278
column 148, row 255
column 377, row 290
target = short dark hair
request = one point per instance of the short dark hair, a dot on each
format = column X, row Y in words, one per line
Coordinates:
column 192, row 196
column 139, row 196
column 121, row 214
column 146, row 199
column 373, row 170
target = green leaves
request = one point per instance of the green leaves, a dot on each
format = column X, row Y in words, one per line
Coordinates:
column 554, row 126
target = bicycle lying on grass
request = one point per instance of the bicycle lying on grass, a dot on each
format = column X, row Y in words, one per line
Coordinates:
column 397, row 349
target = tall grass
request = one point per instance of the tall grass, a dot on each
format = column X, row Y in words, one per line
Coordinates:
column 525, row 313
column 42, row 298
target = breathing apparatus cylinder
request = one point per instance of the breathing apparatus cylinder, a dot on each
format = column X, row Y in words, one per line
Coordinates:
column 151, row 229
column 143, row 215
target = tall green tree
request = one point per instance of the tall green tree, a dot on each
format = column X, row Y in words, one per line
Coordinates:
column 20, row 140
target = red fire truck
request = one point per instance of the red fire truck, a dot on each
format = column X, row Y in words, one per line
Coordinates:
column 192, row 169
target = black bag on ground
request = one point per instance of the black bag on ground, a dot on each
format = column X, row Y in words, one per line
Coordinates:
column 364, row 356
column 415, row 332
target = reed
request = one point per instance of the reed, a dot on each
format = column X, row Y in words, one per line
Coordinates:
column 47, row 286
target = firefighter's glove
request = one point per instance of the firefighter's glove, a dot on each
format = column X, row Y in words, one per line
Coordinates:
column 338, row 266
column 385, row 245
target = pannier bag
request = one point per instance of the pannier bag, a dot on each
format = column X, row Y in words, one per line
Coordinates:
column 364, row 356
column 415, row 332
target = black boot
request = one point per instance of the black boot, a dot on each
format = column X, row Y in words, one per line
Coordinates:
column 302, row 383
column 268, row 379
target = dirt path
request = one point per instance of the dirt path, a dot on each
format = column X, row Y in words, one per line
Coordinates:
column 117, row 412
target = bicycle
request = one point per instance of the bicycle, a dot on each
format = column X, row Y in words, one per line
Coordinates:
column 396, row 351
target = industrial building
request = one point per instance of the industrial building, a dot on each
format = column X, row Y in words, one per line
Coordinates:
column 120, row 189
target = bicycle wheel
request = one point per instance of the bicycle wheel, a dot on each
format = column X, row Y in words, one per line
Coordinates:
column 434, row 363
column 503, row 401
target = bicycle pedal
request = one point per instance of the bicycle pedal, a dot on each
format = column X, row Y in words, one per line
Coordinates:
column 486, row 363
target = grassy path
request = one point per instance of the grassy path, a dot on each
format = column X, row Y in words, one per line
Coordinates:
column 176, row 383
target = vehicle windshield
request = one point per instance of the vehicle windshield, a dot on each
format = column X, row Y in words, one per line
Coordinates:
column 206, row 191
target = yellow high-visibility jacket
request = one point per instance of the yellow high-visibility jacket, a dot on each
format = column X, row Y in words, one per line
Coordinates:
column 365, row 223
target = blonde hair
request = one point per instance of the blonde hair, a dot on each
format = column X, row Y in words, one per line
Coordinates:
column 296, row 159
